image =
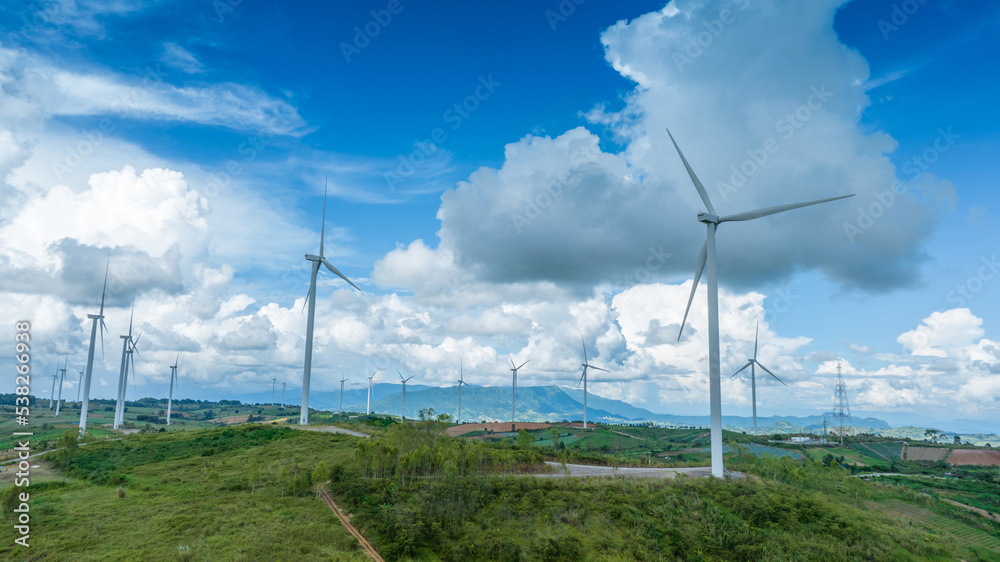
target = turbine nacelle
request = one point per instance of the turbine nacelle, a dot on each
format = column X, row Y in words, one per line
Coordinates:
column 708, row 218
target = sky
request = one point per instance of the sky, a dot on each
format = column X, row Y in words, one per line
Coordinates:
column 501, row 182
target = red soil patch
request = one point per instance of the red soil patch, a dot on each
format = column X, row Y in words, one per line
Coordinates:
column 502, row 427
column 925, row 453
column 975, row 457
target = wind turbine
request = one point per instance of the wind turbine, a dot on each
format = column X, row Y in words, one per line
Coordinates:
column 368, row 408
column 707, row 256
column 52, row 393
column 62, row 377
column 90, row 353
column 123, row 370
column 513, row 384
column 273, row 382
column 79, row 385
column 461, row 381
column 170, row 397
column 311, row 302
column 753, row 363
column 402, row 403
column 283, row 383
column 341, row 412
column 583, row 380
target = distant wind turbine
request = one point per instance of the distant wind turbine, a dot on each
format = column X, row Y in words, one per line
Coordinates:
column 368, row 408
column 402, row 403
column 173, row 378
column 90, row 353
column 513, row 384
column 311, row 302
column 461, row 382
column 583, row 380
column 62, row 378
column 52, row 393
column 707, row 257
column 753, row 363
column 341, row 412
column 274, row 381
column 283, row 383
column 123, row 370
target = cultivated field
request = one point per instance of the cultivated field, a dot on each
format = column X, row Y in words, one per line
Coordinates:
column 925, row 453
column 502, row 427
column 974, row 457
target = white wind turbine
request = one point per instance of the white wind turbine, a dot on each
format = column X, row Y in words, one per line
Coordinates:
column 62, row 378
column 52, row 393
column 123, row 370
column 311, row 302
column 402, row 403
column 753, row 363
column 274, row 381
column 583, row 380
column 173, row 378
column 368, row 408
column 283, row 383
column 461, row 381
column 341, row 412
column 513, row 384
column 707, row 257
column 90, row 353
column 79, row 385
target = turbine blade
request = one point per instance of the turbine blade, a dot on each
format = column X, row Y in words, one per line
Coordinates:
column 131, row 314
column 770, row 373
column 694, row 178
column 585, row 359
column 750, row 215
column 756, row 332
column 336, row 272
column 511, row 360
column 104, row 291
column 523, row 364
column 599, row 369
column 741, row 369
column 702, row 258
column 322, row 230
column 400, row 374
column 581, row 379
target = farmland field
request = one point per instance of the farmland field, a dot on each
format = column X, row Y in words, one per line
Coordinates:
column 925, row 453
column 974, row 457
column 947, row 526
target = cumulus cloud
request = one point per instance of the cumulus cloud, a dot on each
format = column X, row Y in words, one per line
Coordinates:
column 944, row 334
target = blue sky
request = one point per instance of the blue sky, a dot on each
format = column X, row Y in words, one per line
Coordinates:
column 193, row 141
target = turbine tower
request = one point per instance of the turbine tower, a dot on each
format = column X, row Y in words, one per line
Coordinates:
column 368, row 408
column 97, row 318
column 170, row 397
column 402, row 403
column 461, row 381
column 274, row 381
column 79, row 385
column 341, row 412
column 513, row 384
column 283, row 383
column 711, row 220
column 311, row 302
column 62, row 377
column 583, row 380
column 753, row 364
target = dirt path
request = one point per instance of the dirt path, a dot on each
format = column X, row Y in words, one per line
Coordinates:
column 346, row 522
column 329, row 429
column 982, row 512
column 583, row 470
column 625, row 434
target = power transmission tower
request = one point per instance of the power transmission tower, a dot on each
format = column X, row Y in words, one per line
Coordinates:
column 841, row 409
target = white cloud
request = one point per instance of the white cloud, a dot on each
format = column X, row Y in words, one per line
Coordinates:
column 944, row 334
column 180, row 58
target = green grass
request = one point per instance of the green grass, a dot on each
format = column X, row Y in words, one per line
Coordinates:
column 232, row 505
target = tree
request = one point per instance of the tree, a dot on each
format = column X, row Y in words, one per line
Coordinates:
column 932, row 435
column 958, row 440
column 67, row 445
column 524, row 439
column 320, row 473
column 555, row 439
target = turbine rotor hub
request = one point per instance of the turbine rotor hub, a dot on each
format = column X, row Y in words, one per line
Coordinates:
column 708, row 218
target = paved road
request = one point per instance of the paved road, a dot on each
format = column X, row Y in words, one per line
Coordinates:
column 582, row 470
column 329, row 429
